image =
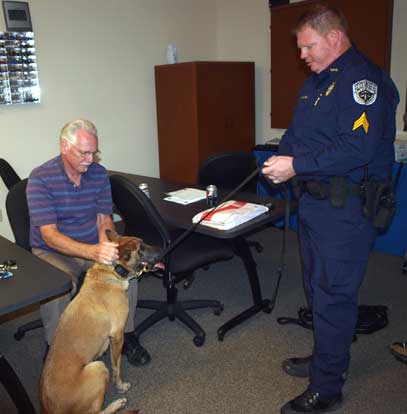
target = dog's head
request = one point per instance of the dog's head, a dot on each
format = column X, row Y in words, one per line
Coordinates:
column 134, row 254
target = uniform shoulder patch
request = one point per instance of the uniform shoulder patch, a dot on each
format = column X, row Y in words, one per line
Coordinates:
column 364, row 92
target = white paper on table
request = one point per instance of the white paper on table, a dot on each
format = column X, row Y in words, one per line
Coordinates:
column 186, row 196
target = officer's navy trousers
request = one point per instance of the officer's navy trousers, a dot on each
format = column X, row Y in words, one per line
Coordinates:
column 335, row 246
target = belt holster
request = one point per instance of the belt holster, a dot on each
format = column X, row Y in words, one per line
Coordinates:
column 340, row 188
column 316, row 189
column 379, row 203
column 338, row 191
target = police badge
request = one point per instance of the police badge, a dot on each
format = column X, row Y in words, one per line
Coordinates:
column 364, row 92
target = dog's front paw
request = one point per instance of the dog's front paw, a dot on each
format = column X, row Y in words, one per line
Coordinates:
column 123, row 387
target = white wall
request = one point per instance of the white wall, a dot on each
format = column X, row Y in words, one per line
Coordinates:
column 399, row 55
column 96, row 60
column 244, row 34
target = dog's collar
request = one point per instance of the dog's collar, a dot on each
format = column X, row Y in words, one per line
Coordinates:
column 121, row 270
column 129, row 274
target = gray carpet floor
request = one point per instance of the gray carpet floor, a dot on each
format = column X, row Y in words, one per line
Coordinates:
column 242, row 374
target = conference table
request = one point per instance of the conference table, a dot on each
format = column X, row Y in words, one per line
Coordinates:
column 33, row 281
column 180, row 216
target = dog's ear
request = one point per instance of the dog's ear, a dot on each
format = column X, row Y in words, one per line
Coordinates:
column 124, row 254
column 128, row 246
column 112, row 235
column 129, row 243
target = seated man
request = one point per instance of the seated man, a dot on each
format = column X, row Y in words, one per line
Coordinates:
column 70, row 205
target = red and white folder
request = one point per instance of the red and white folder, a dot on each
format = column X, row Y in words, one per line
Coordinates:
column 230, row 214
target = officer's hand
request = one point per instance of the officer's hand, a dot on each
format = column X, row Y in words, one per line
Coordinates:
column 279, row 169
column 267, row 170
column 105, row 252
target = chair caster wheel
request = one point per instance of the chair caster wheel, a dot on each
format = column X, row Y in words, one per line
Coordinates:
column 188, row 282
column 218, row 310
column 268, row 306
column 18, row 336
column 199, row 340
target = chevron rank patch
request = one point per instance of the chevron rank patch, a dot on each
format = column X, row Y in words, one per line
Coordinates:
column 361, row 122
column 364, row 92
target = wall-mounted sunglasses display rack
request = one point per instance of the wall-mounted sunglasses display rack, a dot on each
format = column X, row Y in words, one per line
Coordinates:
column 18, row 68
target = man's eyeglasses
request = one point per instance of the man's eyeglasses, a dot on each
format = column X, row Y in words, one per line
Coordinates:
column 86, row 154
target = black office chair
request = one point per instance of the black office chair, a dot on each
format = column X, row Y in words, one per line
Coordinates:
column 19, row 218
column 7, row 173
column 227, row 170
column 17, row 213
column 142, row 219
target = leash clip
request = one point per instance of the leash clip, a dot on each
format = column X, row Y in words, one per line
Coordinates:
column 138, row 274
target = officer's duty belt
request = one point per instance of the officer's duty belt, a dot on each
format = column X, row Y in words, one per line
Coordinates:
column 321, row 190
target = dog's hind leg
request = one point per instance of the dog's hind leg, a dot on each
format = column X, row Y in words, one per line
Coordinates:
column 91, row 389
column 95, row 379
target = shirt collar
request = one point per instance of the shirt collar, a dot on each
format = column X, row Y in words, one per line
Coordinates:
column 62, row 168
column 336, row 67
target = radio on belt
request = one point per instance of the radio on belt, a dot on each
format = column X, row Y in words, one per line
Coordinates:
column 211, row 195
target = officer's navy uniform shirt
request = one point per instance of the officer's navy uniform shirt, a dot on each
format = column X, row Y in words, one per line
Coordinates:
column 344, row 120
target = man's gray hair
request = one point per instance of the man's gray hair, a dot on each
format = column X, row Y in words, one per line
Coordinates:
column 68, row 132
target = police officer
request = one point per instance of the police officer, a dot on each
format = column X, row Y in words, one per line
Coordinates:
column 341, row 134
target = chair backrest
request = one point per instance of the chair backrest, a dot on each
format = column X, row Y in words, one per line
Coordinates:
column 140, row 216
column 228, row 170
column 18, row 215
column 143, row 220
column 7, row 173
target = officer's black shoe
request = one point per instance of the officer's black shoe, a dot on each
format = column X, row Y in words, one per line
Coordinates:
column 297, row 367
column 312, row 402
column 135, row 353
column 399, row 350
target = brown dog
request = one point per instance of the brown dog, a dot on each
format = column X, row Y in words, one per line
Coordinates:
column 72, row 382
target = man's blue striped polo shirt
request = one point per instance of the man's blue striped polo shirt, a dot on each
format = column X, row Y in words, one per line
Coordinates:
column 54, row 199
